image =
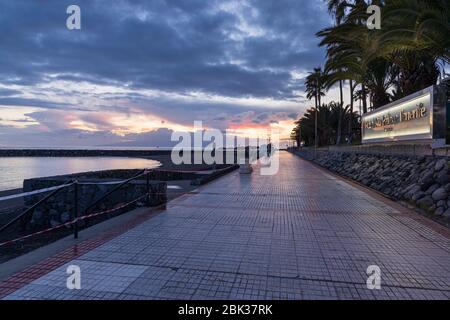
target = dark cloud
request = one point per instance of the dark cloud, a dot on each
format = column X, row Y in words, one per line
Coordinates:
column 81, row 138
column 220, row 48
column 168, row 45
column 8, row 92
column 42, row 103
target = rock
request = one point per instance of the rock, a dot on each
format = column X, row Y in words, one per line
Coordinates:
column 65, row 217
column 426, row 181
column 439, row 194
column 53, row 213
column 441, row 203
column 412, row 189
column 418, row 195
column 426, row 175
column 442, row 178
column 440, row 164
column 425, row 203
column 37, row 216
column 439, row 211
column 431, row 209
column 446, row 213
column 432, row 189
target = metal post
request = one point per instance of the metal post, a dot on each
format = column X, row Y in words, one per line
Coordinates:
column 148, row 188
column 214, row 155
column 316, row 140
column 75, row 214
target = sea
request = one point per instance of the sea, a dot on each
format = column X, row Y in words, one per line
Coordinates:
column 13, row 170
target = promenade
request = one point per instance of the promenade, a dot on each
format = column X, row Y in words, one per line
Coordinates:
column 301, row 234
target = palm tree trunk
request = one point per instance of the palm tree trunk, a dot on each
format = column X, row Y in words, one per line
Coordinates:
column 350, row 125
column 364, row 96
column 339, row 133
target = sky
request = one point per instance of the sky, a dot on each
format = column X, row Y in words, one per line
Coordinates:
column 139, row 70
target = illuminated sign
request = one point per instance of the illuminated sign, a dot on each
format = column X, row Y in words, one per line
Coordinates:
column 408, row 119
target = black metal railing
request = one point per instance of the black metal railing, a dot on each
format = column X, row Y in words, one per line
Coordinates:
column 75, row 184
column 30, row 210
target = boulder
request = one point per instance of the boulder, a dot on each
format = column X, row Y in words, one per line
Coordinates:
column 439, row 194
column 442, row 178
column 439, row 211
column 418, row 195
column 412, row 189
column 53, row 213
column 441, row 203
column 37, row 216
column 426, row 175
column 446, row 213
column 65, row 217
column 432, row 189
column 426, row 181
column 425, row 203
column 440, row 164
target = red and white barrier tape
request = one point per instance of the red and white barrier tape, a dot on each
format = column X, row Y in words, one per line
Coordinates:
column 71, row 222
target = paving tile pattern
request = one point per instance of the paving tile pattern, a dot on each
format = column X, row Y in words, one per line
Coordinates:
column 301, row 234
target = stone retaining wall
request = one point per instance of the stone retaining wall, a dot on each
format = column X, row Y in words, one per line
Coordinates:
column 402, row 149
column 420, row 180
column 60, row 208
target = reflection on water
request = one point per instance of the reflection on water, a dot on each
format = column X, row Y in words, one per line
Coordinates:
column 15, row 169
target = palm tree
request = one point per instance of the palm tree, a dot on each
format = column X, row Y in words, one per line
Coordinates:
column 347, row 51
column 338, row 9
column 415, row 37
column 315, row 89
column 357, row 96
column 327, row 116
column 296, row 134
column 381, row 75
column 417, row 25
column 353, row 52
column 351, row 118
column 409, row 53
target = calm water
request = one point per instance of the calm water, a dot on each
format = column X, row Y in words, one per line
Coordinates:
column 15, row 169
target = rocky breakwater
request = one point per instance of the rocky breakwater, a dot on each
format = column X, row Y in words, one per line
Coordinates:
column 421, row 181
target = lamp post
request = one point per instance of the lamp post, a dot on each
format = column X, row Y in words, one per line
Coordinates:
column 316, row 142
column 299, row 142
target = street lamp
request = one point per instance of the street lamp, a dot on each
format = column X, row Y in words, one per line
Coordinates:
column 316, row 142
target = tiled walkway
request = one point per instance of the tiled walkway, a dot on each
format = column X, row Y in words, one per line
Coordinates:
column 302, row 234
